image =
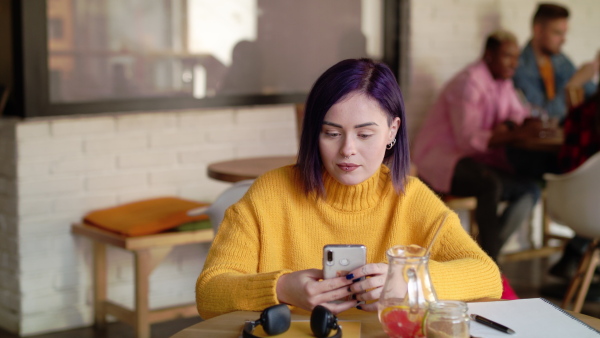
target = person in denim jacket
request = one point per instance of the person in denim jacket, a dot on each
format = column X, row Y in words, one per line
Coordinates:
column 544, row 72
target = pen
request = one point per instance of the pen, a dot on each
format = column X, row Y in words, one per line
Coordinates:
column 491, row 324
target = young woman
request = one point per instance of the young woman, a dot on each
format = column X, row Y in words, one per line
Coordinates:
column 350, row 186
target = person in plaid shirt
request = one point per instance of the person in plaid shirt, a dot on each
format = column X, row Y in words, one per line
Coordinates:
column 582, row 135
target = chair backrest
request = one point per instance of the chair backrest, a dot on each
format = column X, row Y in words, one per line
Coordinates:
column 572, row 198
column 300, row 109
column 216, row 211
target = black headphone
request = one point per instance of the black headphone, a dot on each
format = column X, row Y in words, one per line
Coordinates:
column 277, row 318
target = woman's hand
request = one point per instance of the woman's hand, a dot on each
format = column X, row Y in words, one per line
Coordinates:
column 370, row 288
column 306, row 289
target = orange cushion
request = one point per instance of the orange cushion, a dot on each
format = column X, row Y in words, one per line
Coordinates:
column 145, row 217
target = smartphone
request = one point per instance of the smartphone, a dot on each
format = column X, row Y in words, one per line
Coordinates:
column 340, row 259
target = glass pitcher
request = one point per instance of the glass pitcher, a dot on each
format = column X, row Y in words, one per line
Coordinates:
column 406, row 293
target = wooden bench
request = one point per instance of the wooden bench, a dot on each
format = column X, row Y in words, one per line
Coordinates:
column 148, row 252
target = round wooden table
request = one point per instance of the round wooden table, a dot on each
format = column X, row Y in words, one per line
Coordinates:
column 247, row 168
column 549, row 141
column 250, row 168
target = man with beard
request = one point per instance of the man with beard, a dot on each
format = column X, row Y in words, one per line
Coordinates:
column 544, row 72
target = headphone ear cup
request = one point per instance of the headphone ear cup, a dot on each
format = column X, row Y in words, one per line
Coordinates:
column 322, row 321
column 275, row 319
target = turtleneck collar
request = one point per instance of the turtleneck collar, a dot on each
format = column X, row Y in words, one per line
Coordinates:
column 357, row 197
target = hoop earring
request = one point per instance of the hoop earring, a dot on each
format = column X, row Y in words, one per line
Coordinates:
column 390, row 145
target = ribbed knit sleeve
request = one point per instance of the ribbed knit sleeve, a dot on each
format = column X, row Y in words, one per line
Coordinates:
column 231, row 279
column 459, row 268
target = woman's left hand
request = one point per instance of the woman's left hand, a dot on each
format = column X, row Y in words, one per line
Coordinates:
column 370, row 288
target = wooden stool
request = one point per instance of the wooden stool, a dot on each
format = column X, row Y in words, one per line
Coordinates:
column 464, row 203
column 149, row 251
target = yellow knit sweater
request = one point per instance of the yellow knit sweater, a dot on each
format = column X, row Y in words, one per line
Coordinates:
column 275, row 229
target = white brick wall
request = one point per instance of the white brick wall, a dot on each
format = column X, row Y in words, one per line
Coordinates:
column 448, row 35
column 67, row 166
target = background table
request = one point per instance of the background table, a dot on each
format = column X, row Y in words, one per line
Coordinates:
column 247, row 168
column 250, row 168
column 551, row 143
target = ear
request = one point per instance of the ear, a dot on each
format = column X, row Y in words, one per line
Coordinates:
column 537, row 28
column 487, row 56
column 394, row 127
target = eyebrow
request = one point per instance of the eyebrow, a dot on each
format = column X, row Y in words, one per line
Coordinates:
column 356, row 126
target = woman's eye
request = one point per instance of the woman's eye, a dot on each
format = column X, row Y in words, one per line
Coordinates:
column 332, row 133
column 364, row 136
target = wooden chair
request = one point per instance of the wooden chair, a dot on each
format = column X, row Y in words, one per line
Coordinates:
column 299, row 118
column 468, row 204
column 216, row 211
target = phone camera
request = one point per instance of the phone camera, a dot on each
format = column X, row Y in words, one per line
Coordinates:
column 329, row 257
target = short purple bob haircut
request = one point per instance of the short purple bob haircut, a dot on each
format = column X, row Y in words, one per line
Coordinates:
column 366, row 76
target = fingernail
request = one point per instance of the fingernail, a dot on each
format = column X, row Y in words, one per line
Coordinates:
column 356, row 280
column 350, row 276
column 359, row 307
column 354, row 296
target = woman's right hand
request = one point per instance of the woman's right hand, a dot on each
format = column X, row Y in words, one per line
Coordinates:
column 307, row 289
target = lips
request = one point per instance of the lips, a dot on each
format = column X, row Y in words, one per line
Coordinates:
column 348, row 166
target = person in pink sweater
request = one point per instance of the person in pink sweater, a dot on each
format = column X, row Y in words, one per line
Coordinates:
column 461, row 148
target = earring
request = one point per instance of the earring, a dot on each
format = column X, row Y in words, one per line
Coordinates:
column 390, row 145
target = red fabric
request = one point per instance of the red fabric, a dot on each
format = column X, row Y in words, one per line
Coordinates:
column 507, row 290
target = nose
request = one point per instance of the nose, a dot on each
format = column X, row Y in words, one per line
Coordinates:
column 348, row 147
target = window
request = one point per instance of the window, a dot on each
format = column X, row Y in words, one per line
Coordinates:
column 116, row 55
column 55, row 29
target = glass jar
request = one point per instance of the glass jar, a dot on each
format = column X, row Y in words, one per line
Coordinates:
column 407, row 292
column 447, row 319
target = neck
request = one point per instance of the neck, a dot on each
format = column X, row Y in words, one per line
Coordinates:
column 358, row 197
column 540, row 55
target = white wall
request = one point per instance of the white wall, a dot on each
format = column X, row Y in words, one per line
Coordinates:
column 68, row 166
column 446, row 35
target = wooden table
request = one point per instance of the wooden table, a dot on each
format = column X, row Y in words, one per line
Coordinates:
column 551, row 141
column 247, row 168
column 148, row 251
column 250, row 168
column 230, row 325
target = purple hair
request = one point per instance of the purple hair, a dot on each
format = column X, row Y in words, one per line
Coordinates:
column 365, row 76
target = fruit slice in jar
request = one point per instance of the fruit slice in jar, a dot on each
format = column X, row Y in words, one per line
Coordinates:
column 398, row 322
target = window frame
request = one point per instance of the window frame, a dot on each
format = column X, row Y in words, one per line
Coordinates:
column 31, row 73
